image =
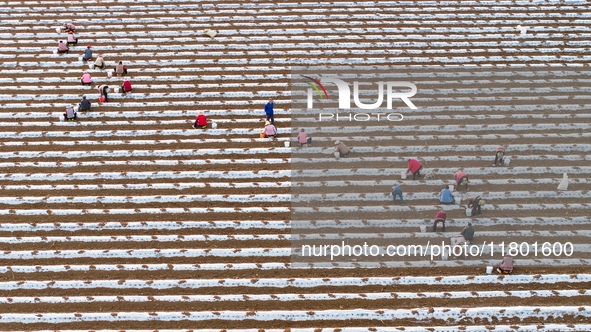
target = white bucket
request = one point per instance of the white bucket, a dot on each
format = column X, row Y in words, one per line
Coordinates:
column 451, row 187
column 403, row 175
column 116, row 90
column 75, row 108
column 54, row 51
column 109, row 74
column 506, row 161
column 91, row 65
column 444, row 257
column 468, row 212
column 489, row 270
column 214, row 125
column 129, row 94
column 423, row 229
column 337, row 155
column 286, row 143
column 62, row 119
column 58, row 29
column 79, row 58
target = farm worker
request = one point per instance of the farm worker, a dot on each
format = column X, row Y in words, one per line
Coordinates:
column 269, row 111
column 476, row 203
column 414, row 167
column 342, row 149
column 397, row 192
column 446, row 197
column 440, row 218
column 500, row 153
column 461, row 179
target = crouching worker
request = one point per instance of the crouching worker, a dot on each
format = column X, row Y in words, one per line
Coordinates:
column 100, row 62
column 86, row 79
column 69, row 27
column 87, row 54
column 446, row 197
column 439, row 222
column 84, row 104
column 506, row 265
column 120, row 69
column 62, row 48
column 461, row 179
column 499, row 155
column 415, row 167
column 476, row 203
column 69, row 114
column 304, row 139
column 270, row 131
column 468, row 233
column 200, row 121
column 126, row 86
column 72, row 40
column 341, row 149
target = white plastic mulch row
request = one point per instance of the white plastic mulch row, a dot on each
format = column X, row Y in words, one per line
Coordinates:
column 452, row 129
column 323, row 129
column 148, row 199
column 284, row 161
column 268, row 150
column 147, row 175
column 157, row 186
column 147, row 253
column 296, row 297
column 228, row 114
column 451, row 315
column 295, row 282
column 388, row 183
column 369, row 197
column 143, row 153
column 275, row 185
column 365, row 197
column 374, row 209
column 276, row 237
column 230, row 252
column 71, row 212
column 284, row 266
column 415, row 208
column 277, row 224
column 395, row 172
column 451, row 328
column 515, row 148
column 152, row 225
column 161, row 162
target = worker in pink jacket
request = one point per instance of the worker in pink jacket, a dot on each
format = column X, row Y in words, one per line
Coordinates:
column 62, row 48
column 304, row 139
column 86, row 79
column 461, row 179
column 414, row 167
column 69, row 27
column 72, row 40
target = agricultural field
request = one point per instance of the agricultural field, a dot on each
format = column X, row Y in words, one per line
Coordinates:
column 130, row 219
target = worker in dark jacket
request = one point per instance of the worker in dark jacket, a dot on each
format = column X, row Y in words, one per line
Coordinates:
column 468, row 233
column 87, row 53
column 84, row 104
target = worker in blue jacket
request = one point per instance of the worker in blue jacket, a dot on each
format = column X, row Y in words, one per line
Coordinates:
column 269, row 111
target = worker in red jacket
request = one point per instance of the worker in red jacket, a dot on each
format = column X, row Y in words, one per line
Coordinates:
column 461, row 179
column 200, row 121
column 414, row 167
column 440, row 218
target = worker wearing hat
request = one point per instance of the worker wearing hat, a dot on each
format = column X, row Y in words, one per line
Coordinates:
column 87, row 54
